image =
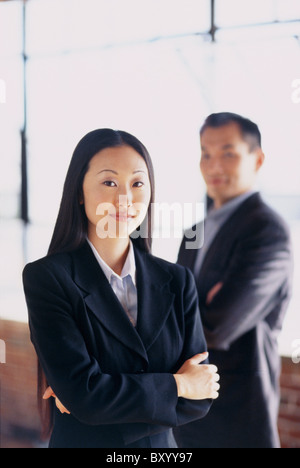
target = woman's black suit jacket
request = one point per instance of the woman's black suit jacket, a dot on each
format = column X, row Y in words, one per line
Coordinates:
column 115, row 380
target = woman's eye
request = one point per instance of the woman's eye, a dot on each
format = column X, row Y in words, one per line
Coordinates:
column 138, row 184
column 109, row 183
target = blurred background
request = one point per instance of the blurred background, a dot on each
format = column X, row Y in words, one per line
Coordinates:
column 155, row 68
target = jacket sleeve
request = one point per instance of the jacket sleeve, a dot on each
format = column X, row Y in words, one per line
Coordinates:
column 91, row 396
column 195, row 343
column 187, row 411
column 257, row 279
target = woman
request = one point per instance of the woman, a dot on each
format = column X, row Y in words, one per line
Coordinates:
column 116, row 330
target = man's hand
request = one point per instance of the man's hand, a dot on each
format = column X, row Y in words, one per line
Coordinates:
column 213, row 292
column 48, row 394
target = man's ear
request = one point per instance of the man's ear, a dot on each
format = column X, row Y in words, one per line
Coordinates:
column 260, row 159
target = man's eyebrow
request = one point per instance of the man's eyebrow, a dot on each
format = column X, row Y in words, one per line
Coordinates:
column 229, row 146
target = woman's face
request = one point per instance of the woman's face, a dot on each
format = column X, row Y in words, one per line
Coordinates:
column 116, row 192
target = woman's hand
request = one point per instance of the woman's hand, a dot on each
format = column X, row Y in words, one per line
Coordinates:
column 48, row 394
column 195, row 382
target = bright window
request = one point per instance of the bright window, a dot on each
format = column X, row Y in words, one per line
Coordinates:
column 11, row 123
column 11, row 106
column 148, row 67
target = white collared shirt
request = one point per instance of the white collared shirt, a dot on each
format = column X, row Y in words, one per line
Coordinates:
column 124, row 286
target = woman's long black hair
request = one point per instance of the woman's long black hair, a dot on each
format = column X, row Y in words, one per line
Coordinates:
column 71, row 226
column 70, row 230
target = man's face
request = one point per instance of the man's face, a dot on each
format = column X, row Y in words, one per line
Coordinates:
column 228, row 164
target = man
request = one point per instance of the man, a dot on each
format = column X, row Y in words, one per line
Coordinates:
column 243, row 274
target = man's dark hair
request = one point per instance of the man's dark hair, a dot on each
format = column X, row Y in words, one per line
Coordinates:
column 249, row 129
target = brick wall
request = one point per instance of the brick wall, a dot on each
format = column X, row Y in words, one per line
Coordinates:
column 289, row 420
column 19, row 420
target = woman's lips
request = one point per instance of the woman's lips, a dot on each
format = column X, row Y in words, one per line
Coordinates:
column 122, row 217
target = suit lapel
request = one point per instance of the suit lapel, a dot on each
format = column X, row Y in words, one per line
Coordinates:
column 155, row 300
column 191, row 246
column 228, row 232
column 102, row 301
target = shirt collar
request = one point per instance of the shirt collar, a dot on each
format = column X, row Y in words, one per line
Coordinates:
column 230, row 207
column 129, row 268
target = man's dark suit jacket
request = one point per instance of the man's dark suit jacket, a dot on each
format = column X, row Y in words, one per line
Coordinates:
column 115, row 380
column 251, row 256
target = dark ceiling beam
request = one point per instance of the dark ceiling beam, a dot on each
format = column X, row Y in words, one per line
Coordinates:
column 24, row 173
